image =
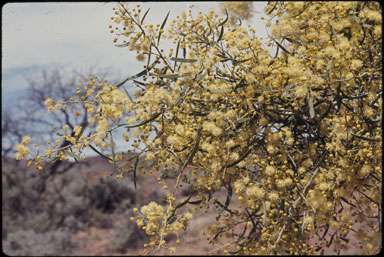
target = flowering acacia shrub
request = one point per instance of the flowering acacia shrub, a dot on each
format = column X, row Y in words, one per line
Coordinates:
column 294, row 135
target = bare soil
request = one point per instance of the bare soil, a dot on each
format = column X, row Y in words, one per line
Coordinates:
column 96, row 241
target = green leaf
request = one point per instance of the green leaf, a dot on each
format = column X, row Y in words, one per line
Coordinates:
column 265, row 213
column 325, row 232
column 221, row 33
column 282, row 47
column 128, row 95
column 99, row 153
column 171, row 219
column 226, row 59
column 122, row 45
column 177, row 53
column 184, row 48
column 210, row 31
column 344, row 239
column 74, row 156
column 365, row 138
column 170, row 76
column 134, row 171
column 165, row 21
column 178, row 100
column 161, row 27
column 177, row 47
column 250, row 217
column 241, row 61
column 113, row 154
column 220, row 91
column 273, row 8
column 357, row 19
column 222, row 56
column 289, row 86
column 195, row 202
column 139, row 82
column 226, row 19
column 144, row 122
column 141, row 73
column 184, row 202
column 145, row 14
column 229, row 197
column 193, row 152
column 292, row 41
column 219, row 231
column 334, row 33
column 149, row 55
column 224, row 207
column 200, row 76
column 183, row 60
column 241, row 120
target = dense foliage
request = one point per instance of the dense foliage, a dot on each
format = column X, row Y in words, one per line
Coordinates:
column 294, row 133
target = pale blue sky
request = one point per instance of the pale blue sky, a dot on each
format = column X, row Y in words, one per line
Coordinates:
column 70, row 34
column 75, row 35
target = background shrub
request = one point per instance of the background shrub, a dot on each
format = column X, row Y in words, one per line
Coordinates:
column 109, row 193
column 30, row 243
column 127, row 235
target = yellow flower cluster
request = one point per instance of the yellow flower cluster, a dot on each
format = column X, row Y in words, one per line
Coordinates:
column 158, row 224
column 22, row 149
column 238, row 10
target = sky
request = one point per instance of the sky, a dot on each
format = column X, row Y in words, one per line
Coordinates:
column 37, row 35
column 76, row 35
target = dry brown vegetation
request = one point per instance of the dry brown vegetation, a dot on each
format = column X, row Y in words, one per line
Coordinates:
column 95, row 231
